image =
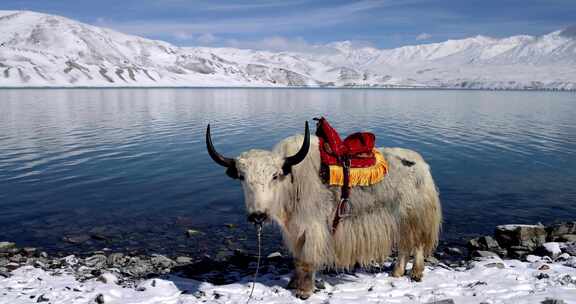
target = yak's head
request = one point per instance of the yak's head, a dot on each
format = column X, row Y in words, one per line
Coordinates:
column 263, row 175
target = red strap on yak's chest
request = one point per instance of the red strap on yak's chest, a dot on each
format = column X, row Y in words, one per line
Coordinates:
column 357, row 147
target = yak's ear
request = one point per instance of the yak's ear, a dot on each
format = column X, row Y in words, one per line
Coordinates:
column 232, row 172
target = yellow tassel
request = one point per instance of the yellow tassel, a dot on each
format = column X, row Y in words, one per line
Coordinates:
column 361, row 176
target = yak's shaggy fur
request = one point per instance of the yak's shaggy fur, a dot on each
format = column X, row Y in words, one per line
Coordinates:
column 402, row 213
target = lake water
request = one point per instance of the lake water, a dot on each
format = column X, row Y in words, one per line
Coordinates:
column 129, row 167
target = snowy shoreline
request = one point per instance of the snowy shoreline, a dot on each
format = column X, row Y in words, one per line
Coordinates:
column 519, row 264
column 359, row 87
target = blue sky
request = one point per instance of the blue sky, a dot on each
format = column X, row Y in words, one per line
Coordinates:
column 299, row 24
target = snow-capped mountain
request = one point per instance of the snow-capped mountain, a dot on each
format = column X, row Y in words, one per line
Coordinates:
column 45, row 50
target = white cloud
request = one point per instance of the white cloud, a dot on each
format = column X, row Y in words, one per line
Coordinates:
column 320, row 17
column 251, row 6
column 206, row 39
column 423, row 36
column 276, row 43
column 181, row 35
column 298, row 44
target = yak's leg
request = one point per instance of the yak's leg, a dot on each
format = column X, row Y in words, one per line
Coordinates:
column 303, row 279
column 400, row 265
column 418, row 268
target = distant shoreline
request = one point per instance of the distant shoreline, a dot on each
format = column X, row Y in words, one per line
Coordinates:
column 280, row 88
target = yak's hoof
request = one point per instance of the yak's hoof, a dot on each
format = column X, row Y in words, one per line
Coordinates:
column 397, row 273
column 416, row 276
column 303, row 294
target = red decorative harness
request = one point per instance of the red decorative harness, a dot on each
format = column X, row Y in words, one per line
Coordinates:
column 356, row 151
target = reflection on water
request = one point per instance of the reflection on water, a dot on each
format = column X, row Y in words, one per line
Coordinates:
column 132, row 162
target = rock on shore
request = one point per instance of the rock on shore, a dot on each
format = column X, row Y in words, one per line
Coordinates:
column 519, row 241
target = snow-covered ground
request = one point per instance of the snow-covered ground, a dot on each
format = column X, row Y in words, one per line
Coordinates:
column 40, row 50
column 487, row 281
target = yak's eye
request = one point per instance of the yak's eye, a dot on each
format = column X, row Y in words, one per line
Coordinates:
column 275, row 176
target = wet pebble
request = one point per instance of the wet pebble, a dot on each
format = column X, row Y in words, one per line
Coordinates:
column 96, row 261
column 274, row 255
column 12, row 266
column 162, row 262
column 563, row 257
column 138, row 267
column 542, row 276
column 76, row 239
column 5, row 246
column 108, row 278
column 70, row 260
column 17, row 258
column 42, row 298
column 29, row 251
column 432, row 260
column 454, row 251
column 183, row 260
column 116, row 259
column 570, row 248
column 482, row 254
column 192, row 232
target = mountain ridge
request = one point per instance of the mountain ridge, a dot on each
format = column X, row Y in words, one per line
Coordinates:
column 41, row 50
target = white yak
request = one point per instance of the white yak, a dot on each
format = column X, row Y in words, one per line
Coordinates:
column 402, row 213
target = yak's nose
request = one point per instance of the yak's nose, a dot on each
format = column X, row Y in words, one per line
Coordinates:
column 257, row 217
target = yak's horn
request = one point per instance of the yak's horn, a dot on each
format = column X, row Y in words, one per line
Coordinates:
column 217, row 157
column 298, row 157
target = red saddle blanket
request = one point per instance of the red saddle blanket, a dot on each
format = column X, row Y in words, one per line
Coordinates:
column 357, row 147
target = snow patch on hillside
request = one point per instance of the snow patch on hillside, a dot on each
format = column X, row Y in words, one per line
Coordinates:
column 45, row 50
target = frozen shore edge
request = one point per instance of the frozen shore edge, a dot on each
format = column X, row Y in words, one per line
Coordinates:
column 518, row 264
column 359, row 87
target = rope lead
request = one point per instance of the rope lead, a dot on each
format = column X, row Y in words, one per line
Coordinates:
column 259, row 234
